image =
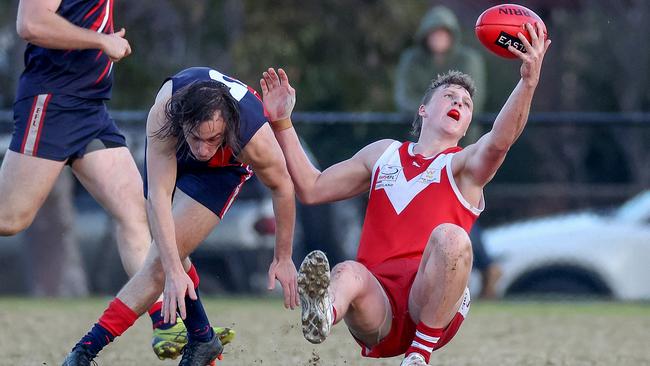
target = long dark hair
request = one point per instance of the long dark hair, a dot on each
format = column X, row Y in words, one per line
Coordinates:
column 197, row 103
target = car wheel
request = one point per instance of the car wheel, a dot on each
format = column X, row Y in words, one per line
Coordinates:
column 564, row 281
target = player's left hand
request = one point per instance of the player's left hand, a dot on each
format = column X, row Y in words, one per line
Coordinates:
column 535, row 51
column 284, row 271
column 277, row 94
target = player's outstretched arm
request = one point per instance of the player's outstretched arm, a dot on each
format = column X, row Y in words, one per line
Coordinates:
column 343, row 180
column 479, row 162
column 161, row 180
column 38, row 23
column 263, row 153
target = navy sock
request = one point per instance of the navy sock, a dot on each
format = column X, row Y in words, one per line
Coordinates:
column 96, row 339
column 157, row 319
column 196, row 321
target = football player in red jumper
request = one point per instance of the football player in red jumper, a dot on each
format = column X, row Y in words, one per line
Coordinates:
column 406, row 293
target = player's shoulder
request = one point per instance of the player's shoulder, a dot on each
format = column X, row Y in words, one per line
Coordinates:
column 373, row 151
column 382, row 145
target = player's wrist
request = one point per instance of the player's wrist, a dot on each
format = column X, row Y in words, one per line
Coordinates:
column 281, row 124
column 100, row 41
column 172, row 268
column 282, row 254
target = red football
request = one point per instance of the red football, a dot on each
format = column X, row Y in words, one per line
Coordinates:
column 498, row 26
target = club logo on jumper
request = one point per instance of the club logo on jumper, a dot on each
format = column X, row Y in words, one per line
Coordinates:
column 504, row 40
column 431, row 175
column 387, row 175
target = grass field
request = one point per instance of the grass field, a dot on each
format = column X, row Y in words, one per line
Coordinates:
column 40, row 332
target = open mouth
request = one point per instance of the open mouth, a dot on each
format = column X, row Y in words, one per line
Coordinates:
column 454, row 113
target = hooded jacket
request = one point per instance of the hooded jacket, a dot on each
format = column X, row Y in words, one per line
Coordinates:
column 418, row 66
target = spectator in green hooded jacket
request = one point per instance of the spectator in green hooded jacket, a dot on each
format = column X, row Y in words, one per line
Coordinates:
column 437, row 49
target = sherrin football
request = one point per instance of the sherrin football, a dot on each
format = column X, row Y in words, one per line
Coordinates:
column 498, row 26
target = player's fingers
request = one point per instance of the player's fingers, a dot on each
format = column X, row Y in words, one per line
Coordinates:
column 271, row 282
column 181, row 307
column 284, row 79
column 546, row 45
column 532, row 32
column 296, row 298
column 163, row 309
column 274, row 77
column 174, row 307
column 290, row 290
column 173, row 311
column 287, row 295
column 166, row 317
column 191, row 292
column 269, row 81
column 121, row 33
column 540, row 30
column 265, row 89
column 517, row 53
column 524, row 41
column 292, row 298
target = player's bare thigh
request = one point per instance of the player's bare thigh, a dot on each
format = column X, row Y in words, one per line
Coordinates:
column 446, row 234
column 112, row 177
column 369, row 315
column 25, row 182
column 193, row 222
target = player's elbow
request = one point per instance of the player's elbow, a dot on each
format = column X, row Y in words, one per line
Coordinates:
column 27, row 29
column 309, row 193
column 499, row 148
column 307, row 198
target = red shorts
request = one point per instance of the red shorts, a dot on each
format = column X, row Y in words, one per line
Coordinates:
column 396, row 276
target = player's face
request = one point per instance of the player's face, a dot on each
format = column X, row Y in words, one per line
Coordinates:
column 207, row 138
column 449, row 110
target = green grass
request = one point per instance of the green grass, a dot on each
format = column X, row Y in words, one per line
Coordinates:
column 495, row 333
column 530, row 307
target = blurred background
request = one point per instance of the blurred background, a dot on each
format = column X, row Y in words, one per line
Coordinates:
column 567, row 215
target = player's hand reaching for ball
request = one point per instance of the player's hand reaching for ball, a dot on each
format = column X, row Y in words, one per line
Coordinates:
column 535, row 51
column 284, row 271
column 278, row 96
column 177, row 284
column 116, row 46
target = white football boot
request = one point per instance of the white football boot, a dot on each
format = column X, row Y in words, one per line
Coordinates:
column 313, row 285
column 414, row 359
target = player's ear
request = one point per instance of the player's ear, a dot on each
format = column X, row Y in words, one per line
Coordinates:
column 422, row 112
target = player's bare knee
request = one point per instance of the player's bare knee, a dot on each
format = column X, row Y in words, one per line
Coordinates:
column 349, row 272
column 14, row 222
column 156, row 272
column 153, row 269
column 453, row 242
column 131, row 214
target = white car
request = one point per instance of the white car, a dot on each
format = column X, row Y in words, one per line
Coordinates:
column 584, row 253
